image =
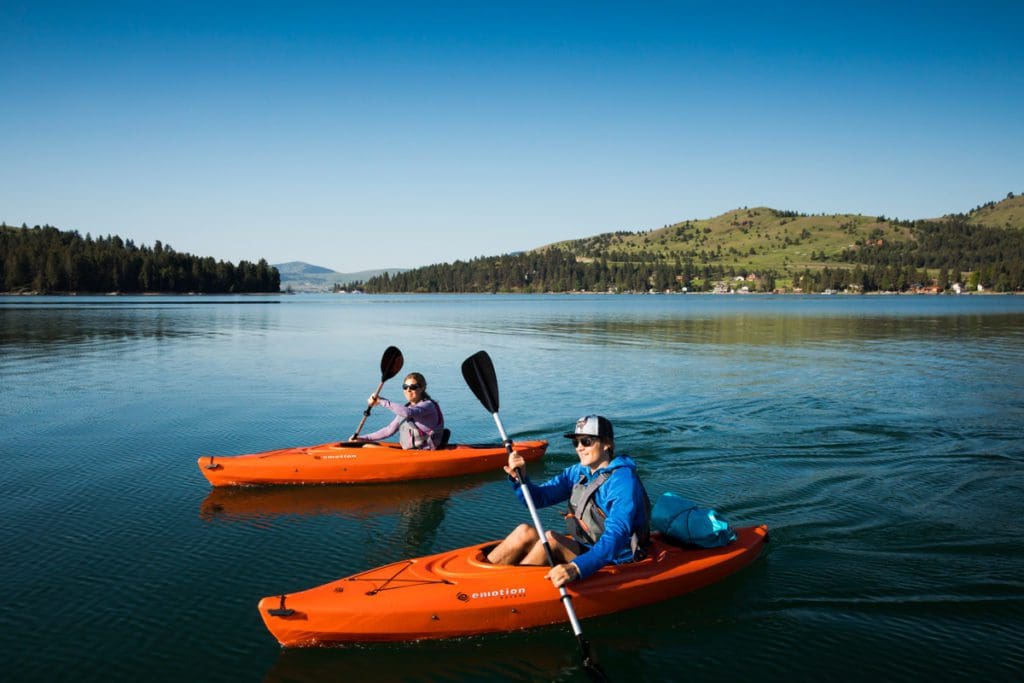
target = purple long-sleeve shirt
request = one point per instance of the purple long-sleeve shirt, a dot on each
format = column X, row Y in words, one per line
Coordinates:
column 425, row 414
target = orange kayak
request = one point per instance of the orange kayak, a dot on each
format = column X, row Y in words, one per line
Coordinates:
column 458, row 593
column 359, row 463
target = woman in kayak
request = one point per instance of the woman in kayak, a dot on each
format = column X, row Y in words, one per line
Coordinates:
column 419, row 421
column 608, row 517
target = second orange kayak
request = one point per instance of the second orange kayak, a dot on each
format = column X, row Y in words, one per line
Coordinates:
column 359, row 463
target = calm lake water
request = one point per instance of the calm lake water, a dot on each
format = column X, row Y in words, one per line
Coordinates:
column 878, row 437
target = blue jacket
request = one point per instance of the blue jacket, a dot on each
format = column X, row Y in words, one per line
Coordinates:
column 621, row 497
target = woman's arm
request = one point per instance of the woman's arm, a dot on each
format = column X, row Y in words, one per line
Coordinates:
column 384, row 432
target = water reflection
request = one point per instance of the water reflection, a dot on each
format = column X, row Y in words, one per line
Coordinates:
column 419, row 506
column 765, row 330
column 668, row 321
column 547, row 654
column 40, row 330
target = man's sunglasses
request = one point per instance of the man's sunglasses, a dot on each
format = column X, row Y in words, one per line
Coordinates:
column 410, row 387
column 587, row 441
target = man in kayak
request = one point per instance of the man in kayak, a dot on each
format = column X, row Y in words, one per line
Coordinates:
column 419, row 421
column 608, row 516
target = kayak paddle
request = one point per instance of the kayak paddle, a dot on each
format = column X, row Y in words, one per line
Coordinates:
column 390, row 364
column 478, row 371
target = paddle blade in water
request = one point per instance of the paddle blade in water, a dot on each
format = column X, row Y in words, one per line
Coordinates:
column 478, row 371
column 590, row 665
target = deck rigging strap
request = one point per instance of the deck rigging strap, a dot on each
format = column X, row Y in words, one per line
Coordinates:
column 404, row 583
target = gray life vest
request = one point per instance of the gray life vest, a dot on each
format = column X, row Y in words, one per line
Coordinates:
column 584, row 520
column 415, row 435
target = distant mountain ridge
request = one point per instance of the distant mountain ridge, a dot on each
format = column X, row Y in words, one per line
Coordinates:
column 302, row 268
column 299, row 276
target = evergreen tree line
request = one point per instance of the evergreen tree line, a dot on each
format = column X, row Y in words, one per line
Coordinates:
column 994, row 256
column 45, row 259
column 553, row 270
column 872, row 279
column 993, row 277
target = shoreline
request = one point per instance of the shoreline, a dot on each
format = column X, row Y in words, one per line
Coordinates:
column 115, row 295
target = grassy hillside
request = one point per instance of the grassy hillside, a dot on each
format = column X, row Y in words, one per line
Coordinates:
column 1008, row 213
column 761, row 238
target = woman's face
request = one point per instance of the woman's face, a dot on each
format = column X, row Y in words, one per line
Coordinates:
column 413, row 390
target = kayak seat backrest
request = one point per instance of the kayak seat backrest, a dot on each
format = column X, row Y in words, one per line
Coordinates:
column 446, row 435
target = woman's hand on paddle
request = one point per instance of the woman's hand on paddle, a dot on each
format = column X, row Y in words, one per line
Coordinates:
column 372, row 401
column 562, row 574
column 514, row 461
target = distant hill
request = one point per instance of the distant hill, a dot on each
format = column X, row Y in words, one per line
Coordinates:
column 301, row 268
column 300, row 276
column 762, row 238
column 770, row 249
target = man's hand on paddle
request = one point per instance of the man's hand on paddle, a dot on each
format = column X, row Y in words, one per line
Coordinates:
column 514, row 461
column 562, row 574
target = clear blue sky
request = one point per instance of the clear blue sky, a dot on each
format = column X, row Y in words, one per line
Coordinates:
column 399, row 134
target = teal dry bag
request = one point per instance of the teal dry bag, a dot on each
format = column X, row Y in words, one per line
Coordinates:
column 683, row 521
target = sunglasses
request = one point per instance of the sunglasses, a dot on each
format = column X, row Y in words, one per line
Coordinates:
column 587, row 441
column 410, row 387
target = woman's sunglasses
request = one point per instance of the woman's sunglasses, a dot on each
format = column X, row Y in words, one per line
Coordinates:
column 410, row 387
column 587, row 441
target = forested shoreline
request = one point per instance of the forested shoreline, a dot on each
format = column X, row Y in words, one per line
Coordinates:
column 794, row 253
column 943, row 255
column 955, row 251
column 46, row 260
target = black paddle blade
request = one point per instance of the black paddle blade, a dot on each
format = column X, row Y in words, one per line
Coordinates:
column 390, row 363
column 590, row 665
column 478, row 371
